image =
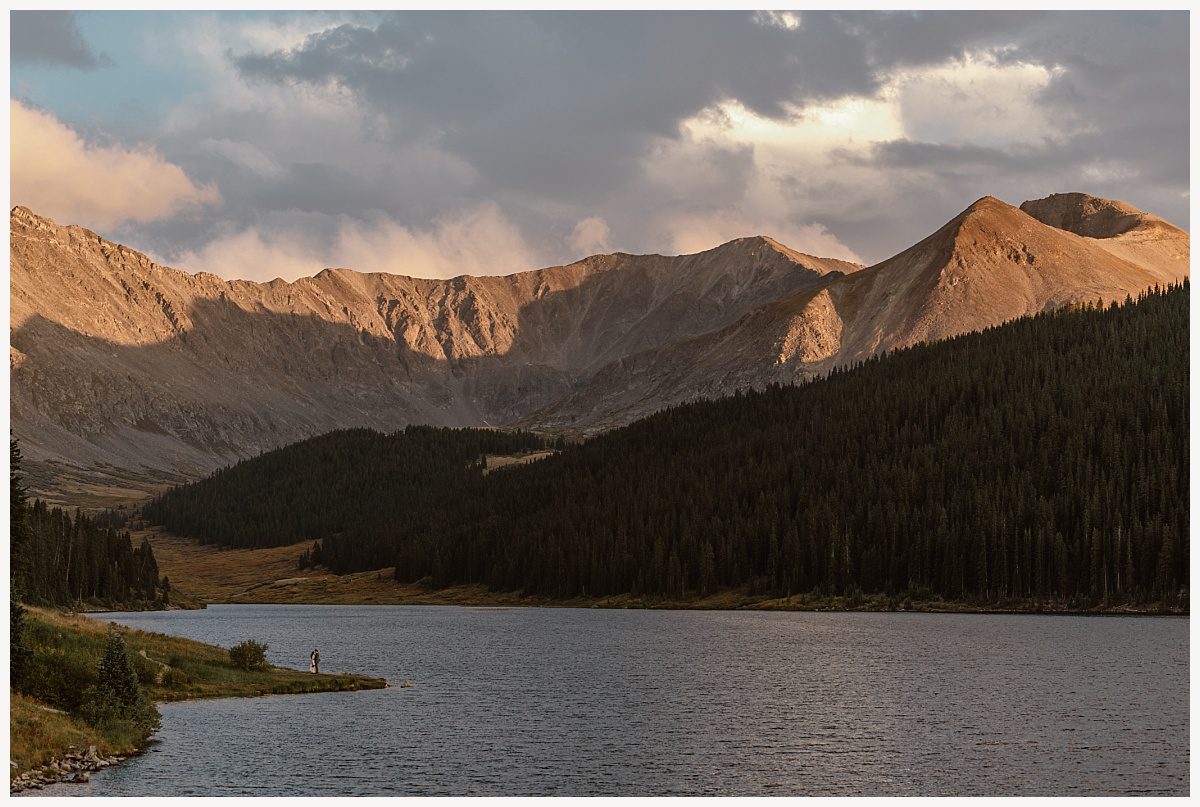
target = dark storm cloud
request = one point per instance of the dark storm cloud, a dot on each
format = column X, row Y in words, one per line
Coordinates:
column 568, row 102
column 51, row 38
column 916, row 38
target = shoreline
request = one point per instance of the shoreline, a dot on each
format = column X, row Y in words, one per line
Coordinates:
column 475, row 597
column 503, row 602
column 76, row 767
column 211, row 677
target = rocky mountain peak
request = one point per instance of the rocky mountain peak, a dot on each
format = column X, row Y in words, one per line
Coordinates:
column 1089, row 216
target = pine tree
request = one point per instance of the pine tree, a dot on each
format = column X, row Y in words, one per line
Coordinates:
column 18, row 509
column 116, row 695
column 19, row 653
column 117, row 675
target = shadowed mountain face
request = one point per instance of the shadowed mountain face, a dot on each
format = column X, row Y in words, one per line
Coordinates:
column 991, row 263
column 117, row 360
column 120, row 366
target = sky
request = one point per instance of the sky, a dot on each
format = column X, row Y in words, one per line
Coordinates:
column 263, row 145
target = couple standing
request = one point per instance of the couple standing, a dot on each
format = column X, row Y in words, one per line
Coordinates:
column 314, row 661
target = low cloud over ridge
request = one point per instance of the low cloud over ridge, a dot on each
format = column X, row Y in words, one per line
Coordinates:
column 57, row 173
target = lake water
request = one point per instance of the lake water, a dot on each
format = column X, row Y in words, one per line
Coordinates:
column 583, row 701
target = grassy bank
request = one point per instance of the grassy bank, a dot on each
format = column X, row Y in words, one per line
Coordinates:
column 178, row 602
column 67, row 649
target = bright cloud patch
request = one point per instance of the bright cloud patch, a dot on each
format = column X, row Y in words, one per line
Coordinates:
column 56, row 173
column 479, row 241
column 784, row 177
column 590, row 236
column 788, row 20
column 993, row 103
column 696, row 233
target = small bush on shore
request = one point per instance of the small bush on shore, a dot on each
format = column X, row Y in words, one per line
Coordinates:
column 249, row 655
column 147, row 670
column 175, row 678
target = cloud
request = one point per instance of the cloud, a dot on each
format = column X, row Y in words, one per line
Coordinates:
column 477, row 241
column 869, row 129
column 750, row 102
column 51, row 38
column 995, row 102
column 591, row 236
column 57, row 173
column 244, row 155
column 562, row 106
column 788, row 20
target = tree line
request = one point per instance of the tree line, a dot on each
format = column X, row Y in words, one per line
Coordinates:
column 1044, row 458
column 324, row 485
column 63, row 559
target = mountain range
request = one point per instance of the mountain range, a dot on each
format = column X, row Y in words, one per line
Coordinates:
column 123, row 369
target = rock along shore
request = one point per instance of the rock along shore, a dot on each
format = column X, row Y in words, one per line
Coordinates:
column 75, row 768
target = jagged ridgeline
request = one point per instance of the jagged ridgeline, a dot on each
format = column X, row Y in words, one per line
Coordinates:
column 1047, row 457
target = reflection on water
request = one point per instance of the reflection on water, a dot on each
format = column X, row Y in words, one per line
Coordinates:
column 574, row 702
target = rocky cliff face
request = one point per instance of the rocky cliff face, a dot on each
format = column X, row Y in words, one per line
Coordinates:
column 989, row 264
column 118, row 361
column 1155, row 245
column 121, row 367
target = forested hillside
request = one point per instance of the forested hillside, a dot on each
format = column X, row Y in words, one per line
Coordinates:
column 1044, row 458
column 341, row 480
column 60, row 559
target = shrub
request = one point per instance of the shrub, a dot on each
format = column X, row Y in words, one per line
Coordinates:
column 147, row 670
column 100, row 706
column 58, row 678
column 249, row 655
column 175, row 678
column 103, row 709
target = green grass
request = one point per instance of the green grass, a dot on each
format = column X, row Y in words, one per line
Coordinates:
column 66, row 656
column 38, row 734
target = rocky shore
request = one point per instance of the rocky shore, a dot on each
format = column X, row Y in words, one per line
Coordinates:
column 75, row 768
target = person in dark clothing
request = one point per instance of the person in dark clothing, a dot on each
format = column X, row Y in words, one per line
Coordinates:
column 314, row 661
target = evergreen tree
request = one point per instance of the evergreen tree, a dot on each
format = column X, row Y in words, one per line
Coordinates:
column 117, row 674
column 18, row 529
column 19, row 653
column 71, row 559
column 116, row 695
